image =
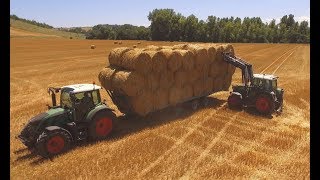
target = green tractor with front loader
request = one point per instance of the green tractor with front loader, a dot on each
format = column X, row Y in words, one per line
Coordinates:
column 81, row 115
column 259, row 91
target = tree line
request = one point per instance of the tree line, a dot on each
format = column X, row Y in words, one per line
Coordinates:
column 119, row 32
column 44, row 25
column 167, row 25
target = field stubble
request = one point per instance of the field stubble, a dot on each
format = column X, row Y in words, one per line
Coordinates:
column 211, row 142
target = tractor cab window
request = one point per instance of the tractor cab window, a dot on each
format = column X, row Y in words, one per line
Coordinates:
column 267, row 84
column 95, row 97
column 83, row 98
column 257, row 82
column 274, row 84
column 65, row 100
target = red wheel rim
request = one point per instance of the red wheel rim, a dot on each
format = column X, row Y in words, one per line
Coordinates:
column 55, row 144
column 234, row 100
column 103, row 126
column 262, row 104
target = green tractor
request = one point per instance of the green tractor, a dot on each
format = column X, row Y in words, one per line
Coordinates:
column 258, row 90
column 81, row 115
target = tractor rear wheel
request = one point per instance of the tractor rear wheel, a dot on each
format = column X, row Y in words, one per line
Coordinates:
column 101, row 125
column 52, row 143
column 264, row 104
column 235, row 101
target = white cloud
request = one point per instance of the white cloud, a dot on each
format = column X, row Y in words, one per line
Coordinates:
column 299, row 19
column 268, row 20
column 302, row 18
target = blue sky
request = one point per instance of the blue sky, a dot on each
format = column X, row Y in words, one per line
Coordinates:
column 72, row 13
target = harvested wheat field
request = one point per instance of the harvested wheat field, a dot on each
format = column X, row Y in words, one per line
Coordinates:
column 212, row 142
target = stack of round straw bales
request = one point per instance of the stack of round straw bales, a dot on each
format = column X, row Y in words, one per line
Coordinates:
column 155, row 77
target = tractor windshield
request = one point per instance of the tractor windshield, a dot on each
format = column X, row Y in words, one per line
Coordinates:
column 274, row 84
column 65, row 99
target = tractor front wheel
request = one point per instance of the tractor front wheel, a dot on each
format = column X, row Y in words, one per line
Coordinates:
column 101, row 125
column 264, row 104
column 52, row 143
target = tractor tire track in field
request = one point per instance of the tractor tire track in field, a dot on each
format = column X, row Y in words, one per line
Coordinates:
column 283, row 62
column 287, row 52
column 180, row 141
column 209, row 147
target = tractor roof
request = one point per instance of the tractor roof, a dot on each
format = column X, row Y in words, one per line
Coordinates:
column 81, row 87
column 265, row 76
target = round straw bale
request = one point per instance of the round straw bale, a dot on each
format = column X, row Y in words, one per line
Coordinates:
column 211, row 53
column 180, row 46
column 231, row 69
column 120, row 42
column 205, row 71
column 128, row 59
column 159, row 62
column 161, row 98
column 137, row 60
column 227, row 82
column 115, row 56
column 200, row 53
column 218, row 83
column 187, row 92
column 130, row 83
column 175, row 62
column 219, row 51
column 187, row 60
column 228, row 48
column 166, row 79
column 198, row 87
column 152, row 48
column 175, row 95
column 92, row 46
column 134, row 46
column 166, row 47
column 218, row 68
column 208, row 84
column 115, row 42
column 194, row 75
column 180, row 78
column 153, row 81
column 105, row 77
column 143, row 104
column 139, row 42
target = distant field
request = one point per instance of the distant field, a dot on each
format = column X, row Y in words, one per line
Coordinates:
column 22, row 29
column 212, row 142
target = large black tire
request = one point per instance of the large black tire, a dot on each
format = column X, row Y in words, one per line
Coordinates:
column 52, row 143
column 264, row 104
column 235, row 101
column 101, row 125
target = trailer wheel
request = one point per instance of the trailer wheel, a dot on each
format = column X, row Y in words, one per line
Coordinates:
column 234, row 101
column 204, row 101
column 101, row 125
column 195, row 104
column 52, row 143
column 264, row 104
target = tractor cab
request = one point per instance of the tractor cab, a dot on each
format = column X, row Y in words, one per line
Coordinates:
column 74, row 95
column 265, row 81
column 79, row 99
